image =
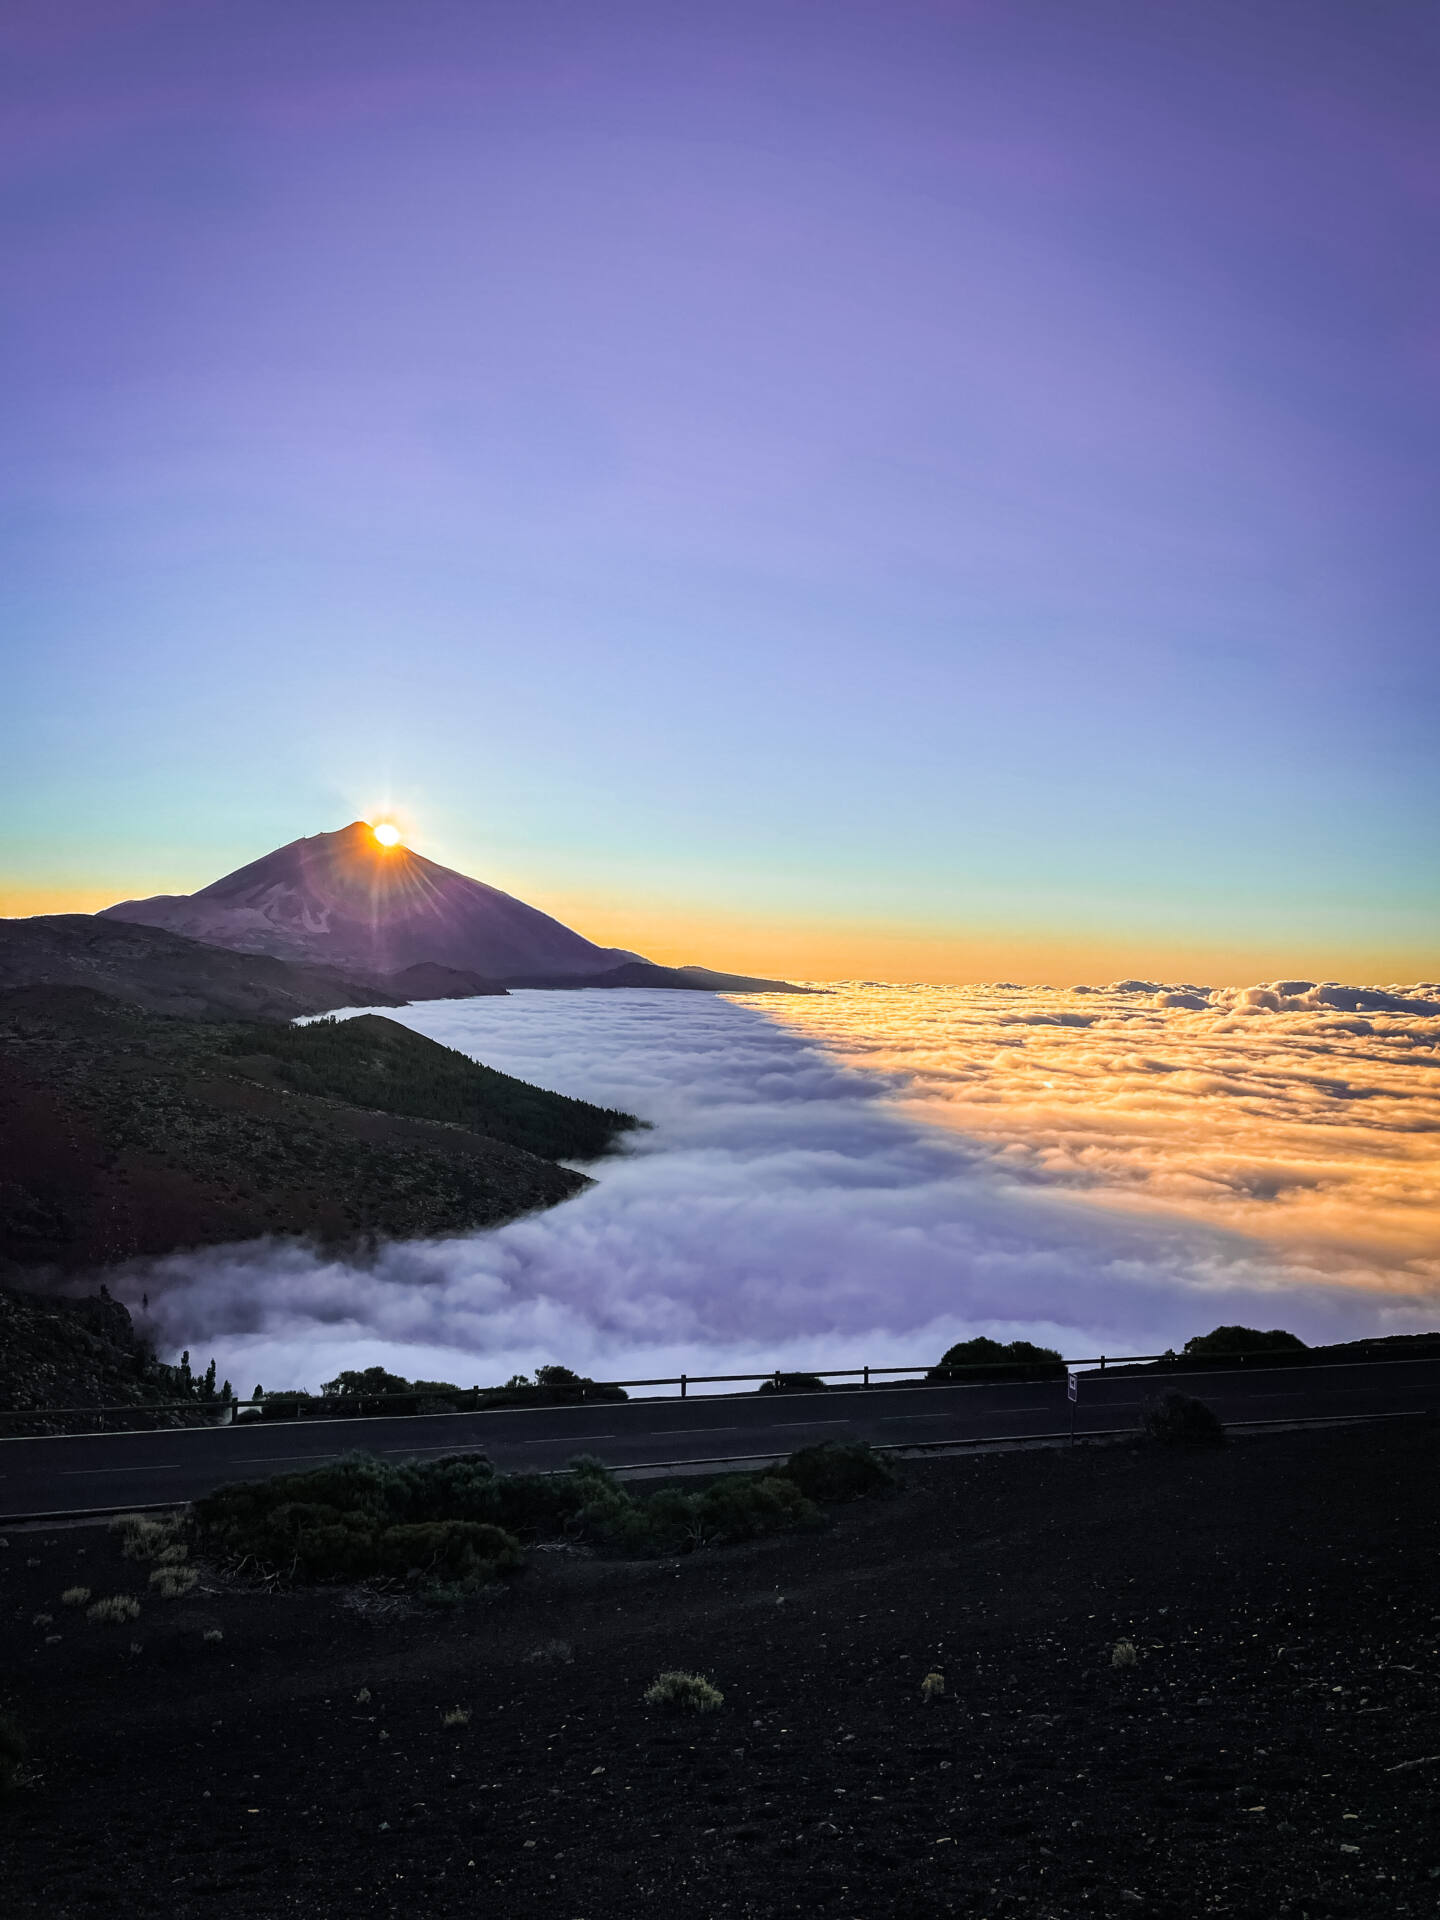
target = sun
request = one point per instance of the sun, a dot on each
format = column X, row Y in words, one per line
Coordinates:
column 387, row 835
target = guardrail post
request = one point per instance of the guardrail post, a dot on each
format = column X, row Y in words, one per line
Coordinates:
column 682, row 1385
column 1102, row 1363
column 867, row 1376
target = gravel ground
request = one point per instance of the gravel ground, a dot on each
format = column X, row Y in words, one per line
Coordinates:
column 1274, row 1748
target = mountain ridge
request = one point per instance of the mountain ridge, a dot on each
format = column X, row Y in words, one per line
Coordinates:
column 347, row 901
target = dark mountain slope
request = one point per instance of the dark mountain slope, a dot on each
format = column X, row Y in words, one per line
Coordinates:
column 123, row 1134
column 644, row 973
column 370, row 1061
column 166, row 973
column 82, row 1353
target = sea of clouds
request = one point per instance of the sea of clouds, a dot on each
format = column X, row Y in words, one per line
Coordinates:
column 870, row 1175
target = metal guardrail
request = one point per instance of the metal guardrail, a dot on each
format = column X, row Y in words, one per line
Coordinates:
column 997, row 1372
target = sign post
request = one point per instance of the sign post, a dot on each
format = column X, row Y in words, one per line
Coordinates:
column 1072, row 1389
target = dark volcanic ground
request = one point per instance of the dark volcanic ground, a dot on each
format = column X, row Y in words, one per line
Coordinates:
column 1275, row 1751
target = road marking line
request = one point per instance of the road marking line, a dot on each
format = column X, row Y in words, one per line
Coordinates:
column 687, row 1430
column 557, row 1441
column 897, row 1419
column 268, row 1459
column 163, row 1466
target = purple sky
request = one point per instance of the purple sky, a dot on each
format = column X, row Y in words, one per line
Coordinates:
column 946, row 466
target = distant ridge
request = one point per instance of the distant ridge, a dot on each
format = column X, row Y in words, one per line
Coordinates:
column 164, row 973
column 344, row 901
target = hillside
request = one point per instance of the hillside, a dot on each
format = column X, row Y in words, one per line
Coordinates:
column 122, row 1133
column 164, row 972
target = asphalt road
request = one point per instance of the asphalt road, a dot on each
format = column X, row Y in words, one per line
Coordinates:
column 85, row 1472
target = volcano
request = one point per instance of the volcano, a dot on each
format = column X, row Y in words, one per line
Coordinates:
column 345, row 900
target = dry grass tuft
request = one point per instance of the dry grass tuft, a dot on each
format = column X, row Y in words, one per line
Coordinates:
column 118, row 1607
column 173, row 1583
column 456, row 1717
column 212, row 1636
column 74, row 1596
column 143, row 1537
column 1123, row 1654
column 932, row 1687
column 684, row 1693
column 552, row 1653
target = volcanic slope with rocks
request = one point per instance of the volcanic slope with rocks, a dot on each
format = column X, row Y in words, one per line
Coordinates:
column 124, row 1133
column 352, row 901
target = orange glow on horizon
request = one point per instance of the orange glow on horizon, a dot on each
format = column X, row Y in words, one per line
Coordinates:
column 816, row 949
column 799, row 949
column 387, row 834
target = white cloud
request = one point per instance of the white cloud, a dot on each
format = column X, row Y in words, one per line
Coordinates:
column 1118, row 1176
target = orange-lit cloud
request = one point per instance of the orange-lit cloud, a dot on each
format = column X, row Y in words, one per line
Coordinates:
column 1306, row 1118
column 872, row 1176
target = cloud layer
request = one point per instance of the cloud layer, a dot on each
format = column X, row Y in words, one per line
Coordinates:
column 1108, row 1172
column 1305, row 1116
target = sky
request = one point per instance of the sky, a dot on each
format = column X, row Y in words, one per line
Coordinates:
column 867, row 1177
column 928, row 488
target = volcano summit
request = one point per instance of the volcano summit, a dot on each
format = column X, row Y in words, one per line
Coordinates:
column 348, row 899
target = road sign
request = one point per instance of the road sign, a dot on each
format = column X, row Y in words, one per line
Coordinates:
column 1072, row 1385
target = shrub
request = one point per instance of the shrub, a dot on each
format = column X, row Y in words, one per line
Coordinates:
column 684, row 1693
column 212, row 1636
column 74, row 1596
column 932, row 1688
column 981, row 1359
column 357, row 1518
column 1123, row 1654
column 739, row 1506
column 559, row 1383
column 744, row 1507
column 173, row 1583
column 13, row 1748
column 1230, row 1344
column 1177, row 1420
column 457, row 1522
column 118, row 1607
column 144, row 1537
column 456, row 1717
column 290, row 1405
column 448, row 1550
column 793, row 1383
column 372, row 1391
column 839, row 1470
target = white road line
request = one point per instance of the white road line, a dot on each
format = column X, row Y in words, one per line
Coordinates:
column 558, row 1441
column 269, row 1459
column 163, row 1466
column 897, row 1419
column 660, row 1432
